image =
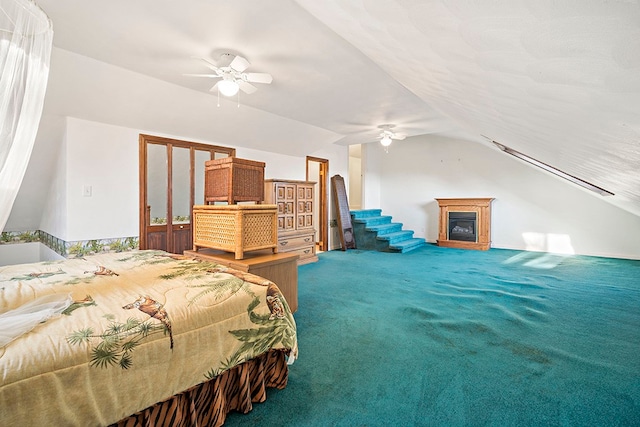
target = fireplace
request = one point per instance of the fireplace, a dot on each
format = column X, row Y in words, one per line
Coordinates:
column 465, row 223
column 462, row 226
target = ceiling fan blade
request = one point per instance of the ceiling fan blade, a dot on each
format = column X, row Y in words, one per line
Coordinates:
column 213, row 76
column 247, row 88
column 209, row 64
column 399, row 136
column 214, row 87
column 239, row 64
column 258, row 77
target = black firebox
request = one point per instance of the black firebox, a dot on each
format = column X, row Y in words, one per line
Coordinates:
column 462, row 226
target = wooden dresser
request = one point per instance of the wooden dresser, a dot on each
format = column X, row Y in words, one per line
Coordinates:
column 296, row 207
column 281, row 269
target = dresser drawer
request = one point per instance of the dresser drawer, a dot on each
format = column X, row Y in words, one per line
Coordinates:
column 294, row 242
column 304, row 252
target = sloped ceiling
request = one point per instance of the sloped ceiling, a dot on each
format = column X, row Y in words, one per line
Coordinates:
column 557, row 80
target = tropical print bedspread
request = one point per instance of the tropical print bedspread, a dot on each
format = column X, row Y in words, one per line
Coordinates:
column 140, row 327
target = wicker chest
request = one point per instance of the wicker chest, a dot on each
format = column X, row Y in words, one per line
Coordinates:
column 235, row 228
column 233, row 180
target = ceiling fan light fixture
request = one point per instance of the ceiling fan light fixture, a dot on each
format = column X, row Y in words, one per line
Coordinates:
column 385, row 141
column 232, row 75
column 228, row 87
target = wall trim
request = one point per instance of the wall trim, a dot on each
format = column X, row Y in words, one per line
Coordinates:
column 70, row 249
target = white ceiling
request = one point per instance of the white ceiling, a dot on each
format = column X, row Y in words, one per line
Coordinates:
column 558, row 80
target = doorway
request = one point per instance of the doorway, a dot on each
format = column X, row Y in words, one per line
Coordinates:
column 318, row 171
column 171, row 183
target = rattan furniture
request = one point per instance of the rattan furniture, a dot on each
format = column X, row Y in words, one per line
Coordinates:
column 233, row 180
column 235, row 228
column 296, row 216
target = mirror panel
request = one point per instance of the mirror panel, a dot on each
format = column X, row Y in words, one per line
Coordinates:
column 157, row 183
column 181, row 185
column 200, row 158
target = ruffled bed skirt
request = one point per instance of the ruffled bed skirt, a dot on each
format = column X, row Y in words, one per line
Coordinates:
column 208, row 404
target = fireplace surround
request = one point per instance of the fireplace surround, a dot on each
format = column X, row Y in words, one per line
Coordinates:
column 465, row 223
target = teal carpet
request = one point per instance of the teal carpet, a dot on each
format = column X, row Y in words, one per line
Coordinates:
column 451, row 337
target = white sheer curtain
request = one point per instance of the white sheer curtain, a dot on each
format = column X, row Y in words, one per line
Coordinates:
column 24, row 318
column 26, row 36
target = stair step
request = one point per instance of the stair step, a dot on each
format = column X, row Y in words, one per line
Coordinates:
column 407, row 245
column 383, row 229
column 364, row 213
column 397, row 236
column 372, row 220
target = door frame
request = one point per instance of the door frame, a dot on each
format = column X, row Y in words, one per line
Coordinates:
column 144, row 140
column 323, row 221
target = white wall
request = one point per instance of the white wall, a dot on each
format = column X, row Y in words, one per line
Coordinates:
column 372, row 160
column 532, row 210
column 276, row 165
column 53, row 212
column 105, row 157
column 22, row 253
column 355, row 177
column 26, row 212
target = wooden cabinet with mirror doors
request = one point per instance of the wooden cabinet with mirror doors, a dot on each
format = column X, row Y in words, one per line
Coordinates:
column 171, row 182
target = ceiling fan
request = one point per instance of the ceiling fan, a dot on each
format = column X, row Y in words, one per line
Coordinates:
column 233, row 77
column 387, row 135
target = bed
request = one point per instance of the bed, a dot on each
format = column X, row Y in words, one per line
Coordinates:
column 139, row 338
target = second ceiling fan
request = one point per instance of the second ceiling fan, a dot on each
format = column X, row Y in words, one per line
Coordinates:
column 387, row 135
column 233, row 77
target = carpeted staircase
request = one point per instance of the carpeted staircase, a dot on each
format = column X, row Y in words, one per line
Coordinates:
column 374, row 231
